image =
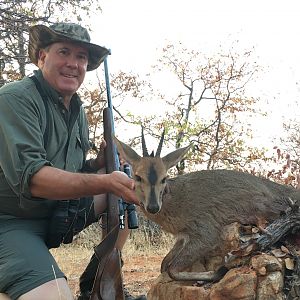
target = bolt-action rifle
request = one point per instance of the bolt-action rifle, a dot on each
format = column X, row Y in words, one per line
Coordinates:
column 108, row 284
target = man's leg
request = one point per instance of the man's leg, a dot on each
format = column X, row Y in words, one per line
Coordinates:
column 57, row 289
column 26, row 263
column 4, row 297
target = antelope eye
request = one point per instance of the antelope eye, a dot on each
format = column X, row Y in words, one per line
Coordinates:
column 138, row 178
column 164, row 180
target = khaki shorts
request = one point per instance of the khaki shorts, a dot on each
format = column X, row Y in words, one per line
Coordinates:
column 25, row 260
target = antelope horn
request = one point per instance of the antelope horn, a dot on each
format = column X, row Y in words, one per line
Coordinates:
column 158, row 151
column 144, row 148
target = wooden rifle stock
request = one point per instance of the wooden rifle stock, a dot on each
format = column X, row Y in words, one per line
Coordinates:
column 108, row 284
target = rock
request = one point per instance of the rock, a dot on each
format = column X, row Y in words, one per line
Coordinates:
column 166, row 289
column 270, row 287
column 238, row 283
column 261, row 278
column 267, row 261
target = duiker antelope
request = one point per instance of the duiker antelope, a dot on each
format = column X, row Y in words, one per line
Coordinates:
column 196, row 206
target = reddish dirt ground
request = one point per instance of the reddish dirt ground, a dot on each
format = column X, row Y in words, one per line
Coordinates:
column 139, row 271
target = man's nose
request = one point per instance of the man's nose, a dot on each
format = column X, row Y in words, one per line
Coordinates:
column 72, row 61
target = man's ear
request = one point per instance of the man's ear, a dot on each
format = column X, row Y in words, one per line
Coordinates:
column 41, row 58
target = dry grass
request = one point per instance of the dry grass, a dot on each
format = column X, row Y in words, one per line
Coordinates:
column 142, row 255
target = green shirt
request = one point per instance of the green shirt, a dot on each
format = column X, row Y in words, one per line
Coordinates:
column 23, row 119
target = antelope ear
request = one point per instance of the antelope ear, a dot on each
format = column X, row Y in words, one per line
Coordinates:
column 174, row 157
column 126, row 152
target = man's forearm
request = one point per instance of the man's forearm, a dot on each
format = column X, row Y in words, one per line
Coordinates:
column 56, row 184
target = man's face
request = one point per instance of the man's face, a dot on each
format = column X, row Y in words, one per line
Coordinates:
column 64, row 65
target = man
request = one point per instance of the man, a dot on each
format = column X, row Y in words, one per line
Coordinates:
column 44, row 141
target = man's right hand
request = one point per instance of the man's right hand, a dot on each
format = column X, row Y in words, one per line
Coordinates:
column 123, row 186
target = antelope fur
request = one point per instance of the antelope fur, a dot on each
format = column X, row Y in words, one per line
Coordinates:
column 195, row 207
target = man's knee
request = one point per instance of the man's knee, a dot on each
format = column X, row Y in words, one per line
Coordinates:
column 4, row 297
column 57, row 289
column 100, row 204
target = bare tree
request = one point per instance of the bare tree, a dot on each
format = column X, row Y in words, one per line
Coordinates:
column 15, row 18
column 210, row 106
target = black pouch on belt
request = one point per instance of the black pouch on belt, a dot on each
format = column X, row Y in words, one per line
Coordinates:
column 62, row 223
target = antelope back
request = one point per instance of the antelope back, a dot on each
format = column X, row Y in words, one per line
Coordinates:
column 150, row 174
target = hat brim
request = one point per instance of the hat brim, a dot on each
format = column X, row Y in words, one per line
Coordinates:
column 41, row 36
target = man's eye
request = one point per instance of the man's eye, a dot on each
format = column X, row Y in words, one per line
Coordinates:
column 63, row 51
column 83, row 57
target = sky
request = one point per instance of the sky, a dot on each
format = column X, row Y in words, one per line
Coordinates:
column 137, row 30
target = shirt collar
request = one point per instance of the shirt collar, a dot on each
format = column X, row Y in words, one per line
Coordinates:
column 52, row 93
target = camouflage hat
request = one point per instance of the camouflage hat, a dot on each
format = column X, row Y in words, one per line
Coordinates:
column 41, row 36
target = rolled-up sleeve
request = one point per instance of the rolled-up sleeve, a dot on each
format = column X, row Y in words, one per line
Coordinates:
column 22, row 151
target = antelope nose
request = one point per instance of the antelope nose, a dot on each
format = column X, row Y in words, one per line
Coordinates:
column 153, row 209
